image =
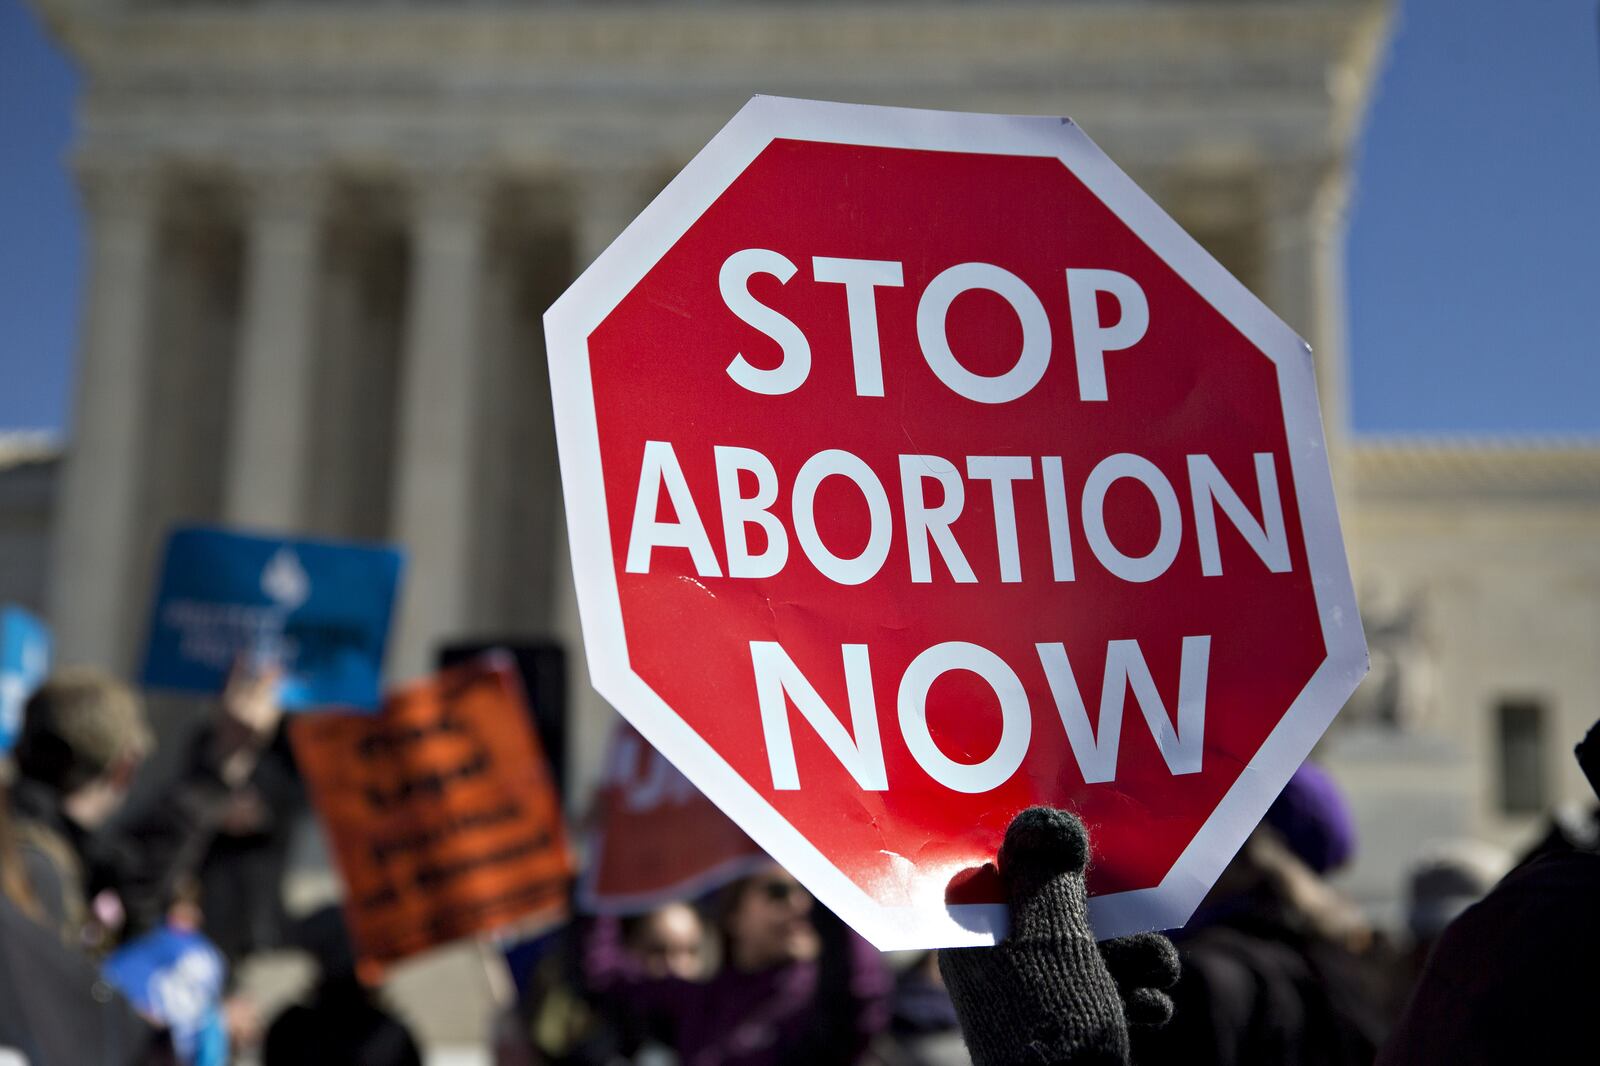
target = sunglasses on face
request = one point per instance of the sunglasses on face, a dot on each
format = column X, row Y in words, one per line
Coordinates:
column 779, row 891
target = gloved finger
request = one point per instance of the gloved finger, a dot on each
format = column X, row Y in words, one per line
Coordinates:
column 1042, row 843
column 1147, row 1007
column 1143, row 960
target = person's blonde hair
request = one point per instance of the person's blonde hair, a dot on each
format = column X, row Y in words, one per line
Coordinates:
column 78, row 725
column 14, row 883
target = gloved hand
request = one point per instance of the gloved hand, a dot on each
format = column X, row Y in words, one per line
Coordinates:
column 1048, row 995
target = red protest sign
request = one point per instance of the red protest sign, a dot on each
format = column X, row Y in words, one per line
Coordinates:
column 440, row 810
column 920, row 469
column 657, row 838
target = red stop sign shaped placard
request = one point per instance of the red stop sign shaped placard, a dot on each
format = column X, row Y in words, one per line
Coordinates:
column 919, row 469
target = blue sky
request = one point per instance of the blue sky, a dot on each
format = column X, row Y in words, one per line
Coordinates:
column 41, row 254
column 1473, row 252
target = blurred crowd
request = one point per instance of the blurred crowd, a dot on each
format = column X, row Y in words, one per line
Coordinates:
column 123, row 924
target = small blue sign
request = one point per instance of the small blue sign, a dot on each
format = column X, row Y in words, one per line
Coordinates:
column 319, row 608
column 176, row 977
column 24, row 662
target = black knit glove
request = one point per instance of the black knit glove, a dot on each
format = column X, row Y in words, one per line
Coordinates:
column 1049, row 995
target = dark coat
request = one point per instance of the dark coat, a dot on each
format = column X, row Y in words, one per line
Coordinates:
column 55, row 1010
column 141, row 857
column 1516, row 978
column 1258, row 990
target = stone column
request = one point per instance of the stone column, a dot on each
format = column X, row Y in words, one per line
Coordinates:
column 604, row 202
column 1304, row 275
column 271, row 420
column 435, row 453
column 91, row 586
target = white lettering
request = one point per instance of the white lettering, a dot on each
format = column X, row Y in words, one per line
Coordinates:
column 1016, row 722
column 660, row 468
column 734, row 281
column 924, row 523
column 779, row 680
column 1266, row 538
column 1106, row 473
column 1002, row 471
column 1055, row 514
column 842, row 464
column 738, row 512
column 859, row 278
column 934, row 307
column 1091, row 338
column 1182, row 747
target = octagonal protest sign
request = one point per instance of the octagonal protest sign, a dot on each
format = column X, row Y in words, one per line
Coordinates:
column 918, row 469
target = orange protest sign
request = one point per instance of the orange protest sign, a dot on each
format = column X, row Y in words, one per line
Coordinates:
column 657, row 837
column 441, row 812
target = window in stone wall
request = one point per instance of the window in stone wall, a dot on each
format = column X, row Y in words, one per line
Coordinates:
column 1520, row 726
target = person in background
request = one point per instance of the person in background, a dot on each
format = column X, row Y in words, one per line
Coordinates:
column 341, row 1022
column 54, row 1007
column 923, row 1027
column 1571, row 827
column 241, row 876
column 1277, row 966
column 1445, row 880
column 669, row 941
column 1513, row 978
column 14, row 884
column 552, row 1023
column 97, row 876
column 795, row 985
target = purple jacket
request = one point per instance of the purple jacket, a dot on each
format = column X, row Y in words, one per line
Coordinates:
column 822, row 1012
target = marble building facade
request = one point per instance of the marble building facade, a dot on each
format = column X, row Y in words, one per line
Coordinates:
column 322, row 235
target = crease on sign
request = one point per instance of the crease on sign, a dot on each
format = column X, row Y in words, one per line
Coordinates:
column 871, row 816
column 803, row 614
column 897, row 622
column 1132, row 808
column 697, row 583
column 894, row 885
column 1213, row 752
column 751, row 596
column 673, row 308
column 937, row 847
column 772, row 615
column 867, row 815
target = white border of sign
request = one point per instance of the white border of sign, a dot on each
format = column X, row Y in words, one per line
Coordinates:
column 623, row 265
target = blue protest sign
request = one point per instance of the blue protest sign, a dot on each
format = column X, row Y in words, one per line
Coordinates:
column 176, row 977
column 320, row 608
column 24, row 661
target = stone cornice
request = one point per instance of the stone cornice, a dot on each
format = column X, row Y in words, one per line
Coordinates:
column 1430, row 471
column 26, row 447
column 382, row 132
column 531, row 85
column 364, row 35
